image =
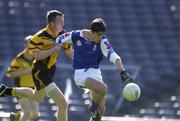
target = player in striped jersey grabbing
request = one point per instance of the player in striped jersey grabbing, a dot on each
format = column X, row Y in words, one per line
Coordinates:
column 45, row 53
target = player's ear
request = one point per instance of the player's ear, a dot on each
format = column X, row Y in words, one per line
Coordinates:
column 52, row 24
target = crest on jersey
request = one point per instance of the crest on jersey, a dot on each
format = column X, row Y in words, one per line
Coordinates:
column 78, row 43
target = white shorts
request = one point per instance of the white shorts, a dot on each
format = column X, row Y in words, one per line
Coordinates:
column 80, row 75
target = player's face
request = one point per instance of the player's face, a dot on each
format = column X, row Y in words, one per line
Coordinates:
column 98, row 36
column 59, row 24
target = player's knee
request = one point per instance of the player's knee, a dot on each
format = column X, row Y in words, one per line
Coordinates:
column 104, row 90
column 37, row 99
column 63, row 104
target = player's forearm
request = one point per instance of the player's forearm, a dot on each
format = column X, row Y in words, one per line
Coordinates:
column 45, row 53
column 125, row 77
column 119, row 65
column 20, row 73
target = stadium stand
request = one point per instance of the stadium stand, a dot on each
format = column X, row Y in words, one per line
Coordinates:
column 145, row 33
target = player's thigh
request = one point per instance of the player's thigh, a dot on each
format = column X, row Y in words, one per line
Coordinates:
column 95, row 85
column 57, row 96
column 25, row 91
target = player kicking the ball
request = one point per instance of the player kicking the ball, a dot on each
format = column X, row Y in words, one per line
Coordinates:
column 90, row 45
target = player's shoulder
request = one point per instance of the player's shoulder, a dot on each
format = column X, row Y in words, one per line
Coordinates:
column 104, row 39
column 36, row 36
column 105, row 42
column 20, row 55
column 76, row 32
column 42, row 34
column 39, row 33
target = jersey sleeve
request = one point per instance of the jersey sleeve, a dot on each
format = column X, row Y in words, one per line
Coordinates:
column 68, row 37
column 15, row 65
column 108, row 51
column 34, row 45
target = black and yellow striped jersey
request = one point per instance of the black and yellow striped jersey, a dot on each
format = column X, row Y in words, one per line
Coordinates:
column 21, row 63
column 42, row 40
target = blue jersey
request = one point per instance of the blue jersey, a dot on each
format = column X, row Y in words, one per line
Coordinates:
column 87, row 54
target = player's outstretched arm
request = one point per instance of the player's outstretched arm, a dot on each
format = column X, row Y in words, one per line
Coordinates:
column 109, row 52
column 39, row 55
column 125, row 77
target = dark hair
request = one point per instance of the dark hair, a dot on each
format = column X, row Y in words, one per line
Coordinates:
column 98, row 25
column 52, row 14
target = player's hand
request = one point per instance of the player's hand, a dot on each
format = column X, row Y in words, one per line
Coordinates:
column 126, row 77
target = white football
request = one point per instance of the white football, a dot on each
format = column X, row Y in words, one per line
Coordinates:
column 131, row 92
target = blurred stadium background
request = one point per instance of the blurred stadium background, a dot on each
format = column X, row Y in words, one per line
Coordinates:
column 145, row 33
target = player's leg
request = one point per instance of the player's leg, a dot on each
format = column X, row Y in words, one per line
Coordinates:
column 96, row 87
column 22, row 92
column 36, row 95
column 34, row 109
column 98, row 91
column 93, row 108
column 91, row 79
column 101, row 103
column 101, row 108
column 55, row 93
column 16, row 91
column 29, row 111
column 24, row 108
